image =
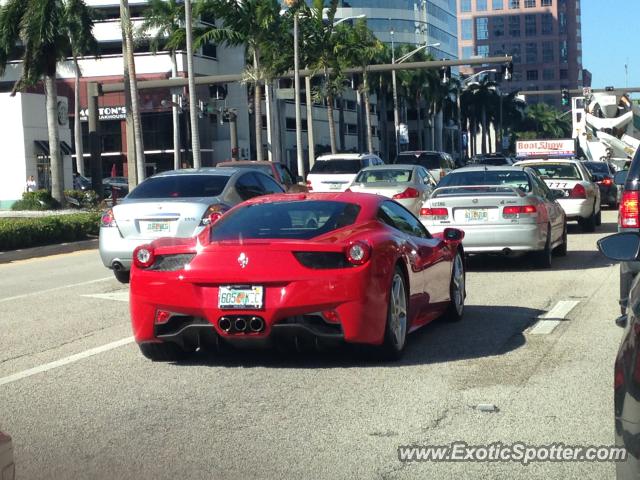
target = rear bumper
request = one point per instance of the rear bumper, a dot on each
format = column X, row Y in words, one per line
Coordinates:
column 291, row 308
column 114, row 248
column 498, row 238
column 575, row 208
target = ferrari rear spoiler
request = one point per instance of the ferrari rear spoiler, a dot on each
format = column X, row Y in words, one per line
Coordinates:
column 477, row 190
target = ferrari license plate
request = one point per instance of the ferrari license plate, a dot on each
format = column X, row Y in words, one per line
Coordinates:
column 158, row 227
column 241, row 297
column 476, row 215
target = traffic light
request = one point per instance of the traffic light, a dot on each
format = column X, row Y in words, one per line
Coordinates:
column 566, row 98
column 445, row 75
column 507, row 71
column 218, row 92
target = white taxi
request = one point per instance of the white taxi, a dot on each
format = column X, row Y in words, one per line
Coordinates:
column 581, row 200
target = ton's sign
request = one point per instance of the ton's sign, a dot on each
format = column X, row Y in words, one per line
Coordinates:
column 106, row 113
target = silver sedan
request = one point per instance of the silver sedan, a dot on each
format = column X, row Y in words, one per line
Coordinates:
column 409, row 185
column 179, row 203
column 501, row 210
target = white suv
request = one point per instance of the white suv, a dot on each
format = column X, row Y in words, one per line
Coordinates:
column 334, row 173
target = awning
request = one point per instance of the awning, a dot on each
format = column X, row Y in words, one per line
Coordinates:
column 43, row 146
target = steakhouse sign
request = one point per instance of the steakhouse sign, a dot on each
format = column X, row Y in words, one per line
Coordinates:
column 545, row 148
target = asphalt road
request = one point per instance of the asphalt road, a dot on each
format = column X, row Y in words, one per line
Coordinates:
column 80, row 401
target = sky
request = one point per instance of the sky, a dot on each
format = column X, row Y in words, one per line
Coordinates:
column 609, row 41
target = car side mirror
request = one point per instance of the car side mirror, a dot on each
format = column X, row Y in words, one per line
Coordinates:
column 620, row 178
column 623, row 246
column 453, row 234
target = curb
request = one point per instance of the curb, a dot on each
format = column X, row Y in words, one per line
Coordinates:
column 47, row 250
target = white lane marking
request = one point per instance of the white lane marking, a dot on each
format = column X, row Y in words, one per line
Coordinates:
column 65, row 361
column 550, row 320
column 117, row 296
column 30, row 294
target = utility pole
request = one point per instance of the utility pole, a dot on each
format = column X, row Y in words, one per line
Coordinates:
column 193, row 101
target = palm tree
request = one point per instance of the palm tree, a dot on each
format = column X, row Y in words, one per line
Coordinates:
column 478, row 97
column 82, row 43
column 546, row 122
column 360, row 48
column 42, row 29
column 254, row 24
column 163, row 25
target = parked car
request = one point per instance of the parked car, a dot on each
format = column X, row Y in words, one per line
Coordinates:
column 279, row 171
column 506, row 210
column 269, row 273
column 581, row 200
column 495, row 159
column 409, row 185
column 7, row 466
column 117, row 185
column 334, row 173
column 178, row 203
column 437, row 163
column 625, row 247
column 603, row 173
column 80, row 182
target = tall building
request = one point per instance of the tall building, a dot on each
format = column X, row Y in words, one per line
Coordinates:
column 543, row 36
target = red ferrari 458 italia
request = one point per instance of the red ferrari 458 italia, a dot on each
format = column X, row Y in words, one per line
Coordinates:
column 301, row 268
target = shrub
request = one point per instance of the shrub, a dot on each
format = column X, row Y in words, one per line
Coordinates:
column 38, row 200
column 30, row 232
column 85, row 199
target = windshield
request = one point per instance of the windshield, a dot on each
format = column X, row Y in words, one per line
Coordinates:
column 553, row 171
column 263, row 168
column 384, row 176
column 285, row 220
column 180, row 186
column 430, row 161
column 339, row 165
column 509, row 178
column 496, row 161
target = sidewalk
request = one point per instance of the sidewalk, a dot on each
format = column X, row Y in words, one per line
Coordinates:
column 35, row 213
column 47, row 250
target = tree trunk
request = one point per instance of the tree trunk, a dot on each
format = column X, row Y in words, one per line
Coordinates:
column 433, row 125
column 257, row 94
column 382, row 115
column 57, row 171
column 77, row 124
column 341, row 125
column 137, row 124
column 193, row 100
column 332, row 126
column 267, row 105
column 175, row 113
column 419, row 124
column 484, row 129
column 310, row 137
column 132, row 168
column 367, row 114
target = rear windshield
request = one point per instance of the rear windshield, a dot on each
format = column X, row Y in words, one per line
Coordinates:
column 562, row 171
column 180, row 186
column 598, row 167
column 430, row 161
column 285, row 220
column 496, row 161
column 509, row 178
column 385, row 176
column 263, row 168
column 339, row 165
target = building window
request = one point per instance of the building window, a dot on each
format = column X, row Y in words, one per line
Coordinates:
column 483, row 50
column 547, row 24
column 530, row 29
column 514, row 4
column 514, row 25
column 467, row 52
column 465, row 5
column 547, row 52
column 482, row 28
column 514, row 51
column 547, row 3
column 529, row 3
column 497, row 50
column 498, row 26
column 562, row 23
column 564, row 74
column 531, row 53
column 481, row 5
column 548, row 74
column 564, row 51
column 498, row 4
column 467, row 29
column 532, row 75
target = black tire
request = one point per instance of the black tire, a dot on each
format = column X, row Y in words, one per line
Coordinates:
column 599, row 217
column 543, row 258
column 163, row 352
column 123, row 276
column 561, row 250
column 588, row 224
column 393, row 344
column 455, row 311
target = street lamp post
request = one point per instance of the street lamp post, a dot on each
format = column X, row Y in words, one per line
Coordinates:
column 296, row 88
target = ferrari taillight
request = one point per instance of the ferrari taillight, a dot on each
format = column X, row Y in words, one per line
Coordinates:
column 144, row 256
column 322, row 260
column 358, row 253
column 108, row 220
column 629, row 214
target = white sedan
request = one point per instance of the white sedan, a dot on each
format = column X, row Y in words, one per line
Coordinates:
column 581, row 200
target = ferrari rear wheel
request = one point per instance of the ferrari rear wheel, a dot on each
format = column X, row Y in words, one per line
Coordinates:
column 455, row 310
column 163, row 352
column 395, row 334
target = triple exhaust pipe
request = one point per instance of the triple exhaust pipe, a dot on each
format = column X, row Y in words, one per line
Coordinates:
column 241, row 324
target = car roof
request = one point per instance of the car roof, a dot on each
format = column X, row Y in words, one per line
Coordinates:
column 224, row 172
column 344, row 156
column 393, row 166
column 246, row 162
column 420, row 152
column 489, row 168
column 549, row 160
